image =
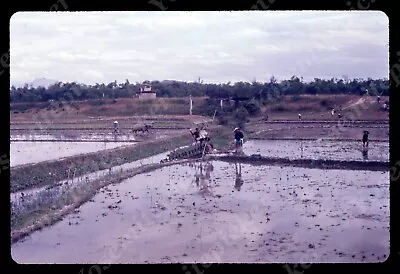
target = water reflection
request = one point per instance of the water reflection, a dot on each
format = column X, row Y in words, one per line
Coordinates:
column 365, row 153
column 238, row 177
column 203, row 177
column 71, row 136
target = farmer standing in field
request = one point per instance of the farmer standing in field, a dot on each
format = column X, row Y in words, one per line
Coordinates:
column 365, row 138
column 115, row 127
column 238, row 138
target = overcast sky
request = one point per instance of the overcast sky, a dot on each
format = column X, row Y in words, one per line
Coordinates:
column 90, row 47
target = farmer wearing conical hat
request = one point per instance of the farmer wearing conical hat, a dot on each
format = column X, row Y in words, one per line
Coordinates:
column 115, row 126
column 238, row 138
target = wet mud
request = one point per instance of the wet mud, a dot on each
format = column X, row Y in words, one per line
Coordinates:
column 316, row 130
column 319, row 150
column 224, row 212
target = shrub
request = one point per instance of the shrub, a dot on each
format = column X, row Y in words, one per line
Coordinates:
column 97, row 102
column 279, row 108
column 253, row 108
column 223, row 120
column 208, row 107
column 296, row 98
column 181, row 102
column 22, row 107
column 242, row 114
column 326, row 103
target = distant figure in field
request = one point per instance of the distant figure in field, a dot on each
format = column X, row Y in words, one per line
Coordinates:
column 378, row 99
column 299, row 116
column 115, row 126
column 333, row 112
column 365, row 138
column 386, row 106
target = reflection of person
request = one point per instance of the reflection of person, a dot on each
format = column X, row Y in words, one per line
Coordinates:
column 198, row 175
column 238, row 179
column 209, row 168
column 365, row 154
column 202, row 177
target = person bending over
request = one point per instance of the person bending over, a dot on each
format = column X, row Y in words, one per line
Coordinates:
column 196, row 134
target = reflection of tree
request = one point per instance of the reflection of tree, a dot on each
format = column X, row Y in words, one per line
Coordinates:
column 238, row 179
column 203, row 177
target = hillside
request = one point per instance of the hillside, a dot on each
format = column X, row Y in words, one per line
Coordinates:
column 287, row 107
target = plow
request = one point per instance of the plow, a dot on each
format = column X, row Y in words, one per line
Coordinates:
column 196, row 150
column 201, row 147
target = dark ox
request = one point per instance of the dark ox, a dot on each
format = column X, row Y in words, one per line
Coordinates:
column 143, row 128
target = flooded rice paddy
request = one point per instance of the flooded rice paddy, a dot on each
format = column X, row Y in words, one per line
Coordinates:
column 324, row 150
column 47, row 195
column 222, row 212
column 34, row 148
column 33, row 152
column 73, row 136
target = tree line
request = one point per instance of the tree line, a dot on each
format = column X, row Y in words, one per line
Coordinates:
column 239, row 91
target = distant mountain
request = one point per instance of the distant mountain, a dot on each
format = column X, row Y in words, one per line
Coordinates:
column 41, row 82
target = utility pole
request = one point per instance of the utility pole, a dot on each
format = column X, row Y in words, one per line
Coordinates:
column 191, row 105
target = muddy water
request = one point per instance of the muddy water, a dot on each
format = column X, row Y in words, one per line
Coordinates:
column 224, row 213
column 92, row 135
column 34, row 152
column 325, row 150
column 73, row 135
column 50, row 194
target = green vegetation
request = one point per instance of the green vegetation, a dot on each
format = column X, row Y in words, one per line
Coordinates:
column 239, row 91
column 241, row 100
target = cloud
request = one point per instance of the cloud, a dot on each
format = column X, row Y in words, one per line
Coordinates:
column 94, row 47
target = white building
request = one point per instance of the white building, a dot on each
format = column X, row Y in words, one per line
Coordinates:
column 146, row 91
